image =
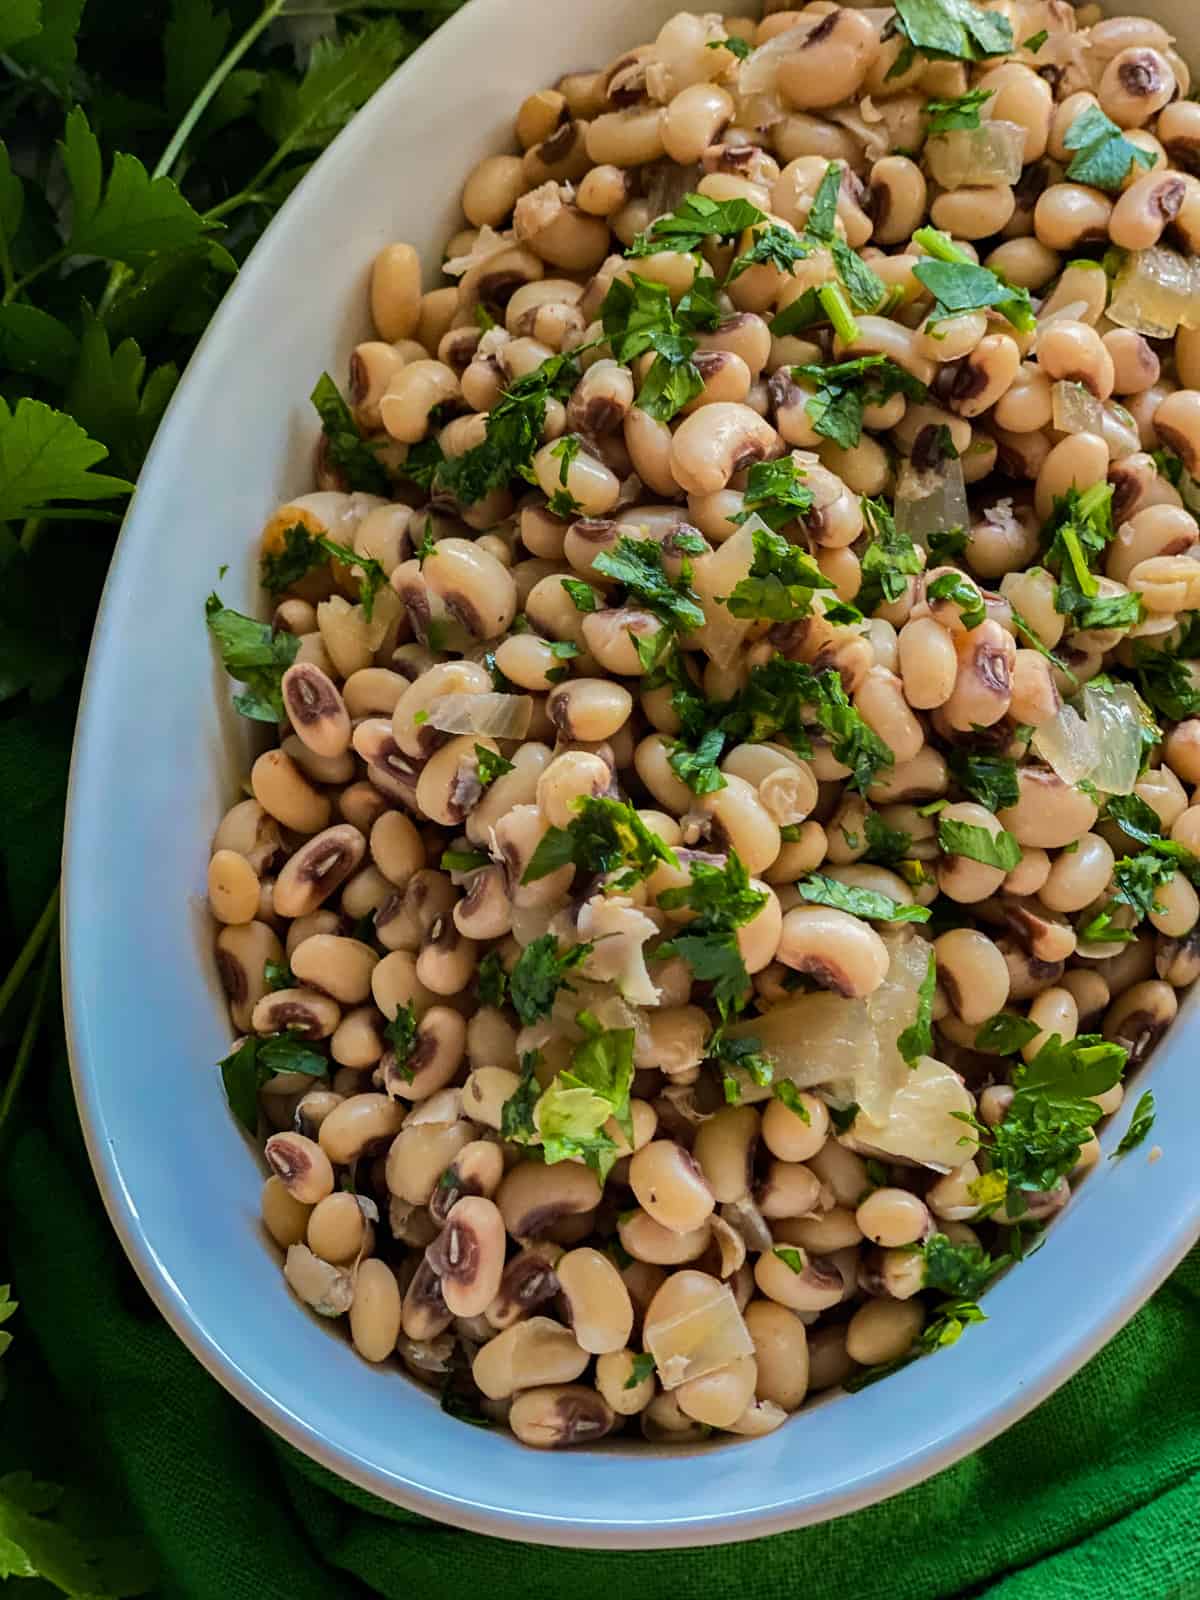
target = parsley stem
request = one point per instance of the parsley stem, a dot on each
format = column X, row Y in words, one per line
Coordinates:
column 837, row 309
column 29, row 1034
column 941, row 247
column 16, row 287
column 42, row 928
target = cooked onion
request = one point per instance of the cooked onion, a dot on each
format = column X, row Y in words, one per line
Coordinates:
column 1067, row 744
column 924, row 1121
column 488, row 243
column 700, row 1339
column 714, row 579
column 1097, row 736
column 1076, row 409
column 1154, row 292
column 498, row 716
column 990, row 154
column 931, row 500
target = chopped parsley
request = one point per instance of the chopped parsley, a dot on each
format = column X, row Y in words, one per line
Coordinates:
column 723, row 901
column 583, row 596
column 821, row 890
column 776, row 492
column 1139, row 1127
column 792, row 1258
column 491, row 980
column 738, row 47
column 773, row 246
column 489, row 765
column 695, row 219
column 606, row 834
column 1005, row 1034
column 945, row 116
column 571, row 1114
column 637, row 564
column 255, row 654
column 781, row 582
column 1169, row 679
column 642, row 1364
column 245, row 1070
column 886, row 846
column 698, row 768
column 948, row 30
column 539, row 973
column 345, row 448
column 302, row 551
column 957, row 284
column 786, row 1092
column 999, row 850
column 845, row 389
column 638, row 317
column 463, row 860
column 277, row 975
column 401, row 1035
column 1103, row 155
column 516, row 1114
column 960, row 591
column 991, row 780
column 1078, row 531
column 917, row 1039
column 888, row 561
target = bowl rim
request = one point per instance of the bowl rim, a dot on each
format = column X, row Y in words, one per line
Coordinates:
column 1088, row 1324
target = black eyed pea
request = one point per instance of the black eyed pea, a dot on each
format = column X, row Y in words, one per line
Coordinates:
column 1054, row 1011
column 1028, row 403
column 526, row 1354
column 529, row 1281
column 530, row 662
column 396, row 847
column 843, row 1171
column 758, row 938
column 517, row 835
column 881, row 336
column 1035, row 697
column 673, row 1038
column 316, row 710
column 413, row 391
column 1025, row 261
column 419, row 1154
column 447, row 959
column 301, row 1165
column 615, row 1383
column 337, row 966
column 329, row 1290
column 473, row 586
column 928, row 663
column 1078, row 878
column 364, row 894
column 627, row 138
column 307, row 1012
column 485, row 910
column 828, row 1363
column 603, row 191
column 357, row 1041
column 569, row 777
column 959, row 877
column 560, row 1415
column 361, row 805
column 1161, row 789
column 403, row 921
column 448, row 787
column 610, row 636
column 716, row 441
column 1136, row 84
column 693, row 120
column 1176, row 961
column 284, row 1217
column 1068, row 215
column 434, row 1059
column 599, row 1310
column 1027, row 976
column 396, row 292
column 1049, row 813
column 491, row 1039
column 516, row 788
column 798, row 856
column 880, row 701
column 377, row 1311
column 338, row 1230
column 283, row 791
column 719, row 1398
column 423, row 1312
column 492, row 281
column 839, row 951
column 492, row 190
column 648, row 442
column 362, row 1124
column 670, row 1186
column 320, row 866
column 1075, row 462
column 788, row 1190
column 589, row 709
column 724, row 1149
column 233, row 889
column 816, row 1286
column 925, row 777
column 741, row 821
column 899, row 195
column 1140, row 1016
column 533, row 1199
column 1073, row 352
column 650, row 1242
column 248, row 829
column 982, row 690
column 883, row 1330
column 979, row 379
column 795, row 1135
column 781, row 1352
column 893, row 1217
column 476, row 1170
column 242, row 954
column 664, row 1423
column 468, row 1256
column 829, row 66
column 373, row 692
column 950, row 1198
column 559, row 232
column 1029, row 875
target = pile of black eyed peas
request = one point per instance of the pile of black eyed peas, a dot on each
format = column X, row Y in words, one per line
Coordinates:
column 731, row 823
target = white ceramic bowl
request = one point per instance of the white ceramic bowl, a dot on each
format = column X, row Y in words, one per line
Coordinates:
column 159, row 756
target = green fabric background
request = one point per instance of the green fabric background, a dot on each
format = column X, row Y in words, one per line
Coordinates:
column 1096, row 1496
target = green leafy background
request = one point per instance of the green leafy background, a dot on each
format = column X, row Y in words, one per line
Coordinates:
column 146, row 146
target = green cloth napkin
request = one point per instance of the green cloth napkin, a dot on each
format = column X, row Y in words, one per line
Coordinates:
column 1096, row 1496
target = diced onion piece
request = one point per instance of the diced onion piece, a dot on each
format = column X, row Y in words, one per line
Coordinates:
column 487, row 243
column 924, row 1121
column 1067, row 744
column 1116, row 718
column 714, row 578
column 1154, row 292
column 931, row 500
column 1120, row 433
column 498, row 716
column 987, row 155
column 1076, row 409
column 876, row 140
column 699, row 1340
column 618, row 931
column 758, row 71
column 849, row 1045
column 530, row 923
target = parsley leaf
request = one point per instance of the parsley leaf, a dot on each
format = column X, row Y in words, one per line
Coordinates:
column 917, row 1039
column 489, row 765
column 821, row 222
column 638, row 317
column 959, row 285
column 698, row 768
column 695, row 219
column 516, row 1114
column 256, row 1059
column 583, row 596
column 723, row 901
column 792, row 1258
column 346, row 449
column 302, row 551
column 952, row 30
column 1169, row 680
column 885, row 845
column 1005, row 1034
column 820, row 890
column 401, row 1035
column 964, row 1270
column 845, row 389
column 786, row 1091
column 743, row 1054
column 889, row 560
column 491, row 980
column 605, row 835
column 642, row 1364
column 781, row 581
column 991, row 780
column 1103, row 155
column 277, row 975
column 1139, row 1127
column 855, row 744
column 638, row 565
column 463, row 860
column 571, row 1114
column 539, row 973
column 961, row 112
column 774, row 246
column 775, row 492
column 46, row 456
column 254, row 654
column 963, row 593
column 978, row 844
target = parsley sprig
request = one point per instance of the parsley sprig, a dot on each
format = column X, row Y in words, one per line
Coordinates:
column 722, row 900
column 606, row 835
column 845, row 389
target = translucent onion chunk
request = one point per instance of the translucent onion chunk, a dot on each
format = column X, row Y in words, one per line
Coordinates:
column 931, row 500
column 708, row 1335
column 1154, row 292
column 1119, row 431
column 498, row 716
column 1076, row 409
column 924, row 1122
column 1067, row 744
column 1097, row 736
column 990, row 154
column 714, row 579
column 848, row 1046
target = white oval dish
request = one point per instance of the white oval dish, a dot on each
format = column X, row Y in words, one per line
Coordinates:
column 158, row 757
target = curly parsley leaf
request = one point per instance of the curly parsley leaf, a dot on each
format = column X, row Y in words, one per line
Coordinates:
column 345, row 446
column 539, row 973
column 978, row 844
column 606, row 834
column 1139, row 1127
column 1103, row 155
column 255, row 654
column 821, row 890
column 917, row 1039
